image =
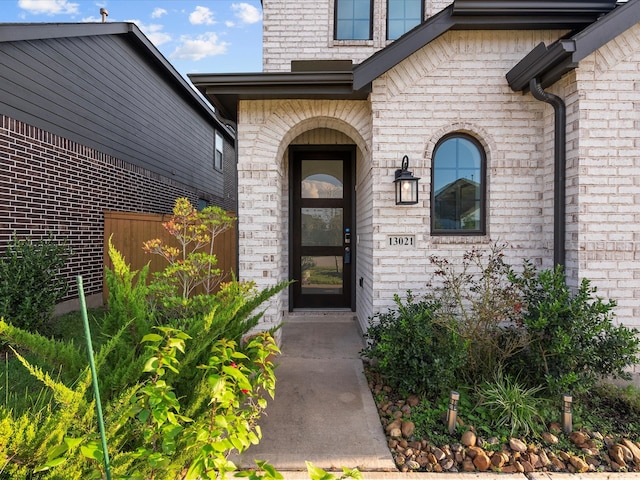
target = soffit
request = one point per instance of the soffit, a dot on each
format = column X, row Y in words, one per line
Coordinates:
column 225, row 90
column 549, row 63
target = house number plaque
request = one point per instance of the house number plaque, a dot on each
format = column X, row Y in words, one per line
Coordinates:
column 402, row 241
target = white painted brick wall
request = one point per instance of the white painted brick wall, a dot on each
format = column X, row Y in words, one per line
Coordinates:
column 457, row 83
column 605, row 204
column 265, row 130
column 285, row 19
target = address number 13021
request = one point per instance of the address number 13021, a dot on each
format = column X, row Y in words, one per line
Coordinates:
column 406, row 241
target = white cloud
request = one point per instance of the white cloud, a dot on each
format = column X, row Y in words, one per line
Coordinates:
column 48, row 7
column 201, row 16
column 247, row 13
column 158, row 12
column 203, row 46
column 153, row 32
column 229, row 24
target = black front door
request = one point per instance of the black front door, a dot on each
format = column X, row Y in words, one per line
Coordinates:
column 322, row 230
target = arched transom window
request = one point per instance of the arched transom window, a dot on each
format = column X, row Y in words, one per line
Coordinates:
column 458, row 186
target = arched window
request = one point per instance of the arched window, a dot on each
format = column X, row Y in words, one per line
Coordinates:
column 458, row 186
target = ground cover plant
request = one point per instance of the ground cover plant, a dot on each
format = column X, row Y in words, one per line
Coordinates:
column 181, row 381
column 510, row 342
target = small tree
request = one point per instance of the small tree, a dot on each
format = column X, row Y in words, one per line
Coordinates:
column 189, row 266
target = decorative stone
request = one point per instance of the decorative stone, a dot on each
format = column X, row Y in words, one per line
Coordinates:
column 627, row 455
column 407, row 429
column 549, row 438
column 543, row 460
column 413, row 465
column 413, row 400
column 526, row 465
column 482, row 462
column 580, row 465
column 564, row 456
column 517, row 445
column 467, row 465
column 395, row 433
column 499, row 459
column 472, row 452
column 617, row 455
column 393, row 425
column 468, row 438
column 578, row 438
column 423, row 459
column 438, row 454
column 633, row 448
column 533, row 459
column 593, row 461
column 509, row 469
column 447, row 464
column 558, row 465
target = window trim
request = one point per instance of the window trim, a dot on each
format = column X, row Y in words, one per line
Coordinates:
column 387, row 20
column 483, row 189
column 335, row 24
column 218, row 142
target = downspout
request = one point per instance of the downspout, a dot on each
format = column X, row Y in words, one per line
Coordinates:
column 560, row 165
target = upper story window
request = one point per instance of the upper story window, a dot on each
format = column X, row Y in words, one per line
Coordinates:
column 458, row 186
column 353, row 19
column 402, row 16
column 217, row 161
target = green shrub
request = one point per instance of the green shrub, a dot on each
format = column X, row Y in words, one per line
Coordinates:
column 414, row 352
column 573, row 342
column 30, row 281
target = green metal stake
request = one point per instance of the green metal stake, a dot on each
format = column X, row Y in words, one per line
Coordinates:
column 94, row 376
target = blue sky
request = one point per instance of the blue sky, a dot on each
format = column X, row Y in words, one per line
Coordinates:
column 205, row 36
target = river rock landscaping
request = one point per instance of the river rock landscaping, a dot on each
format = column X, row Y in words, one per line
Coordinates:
column 553, row 451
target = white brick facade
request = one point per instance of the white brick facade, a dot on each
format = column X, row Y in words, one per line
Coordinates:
column 284, row 20
column 455, row 83
column 607, row 174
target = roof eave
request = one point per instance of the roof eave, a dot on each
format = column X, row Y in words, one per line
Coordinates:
column 550, row 64
column 225, row 90
column 540, row 60
column 532, row 7
column 14, row 32
column 481, row 15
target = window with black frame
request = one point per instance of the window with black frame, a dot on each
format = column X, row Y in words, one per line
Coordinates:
column 353, row 19
column 458, row 186
column 219, row 152
column 402, row 16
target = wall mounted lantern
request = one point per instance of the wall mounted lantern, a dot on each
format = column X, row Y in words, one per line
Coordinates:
column 406, row 185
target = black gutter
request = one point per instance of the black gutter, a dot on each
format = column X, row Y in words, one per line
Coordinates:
column 559, row 170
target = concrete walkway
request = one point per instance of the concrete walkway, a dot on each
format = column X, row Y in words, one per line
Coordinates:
column 323, row 411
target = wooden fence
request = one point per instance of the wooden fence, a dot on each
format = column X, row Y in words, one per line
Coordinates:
column 128, row 231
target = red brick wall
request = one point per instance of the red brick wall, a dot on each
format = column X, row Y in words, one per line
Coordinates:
column 52, row 186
